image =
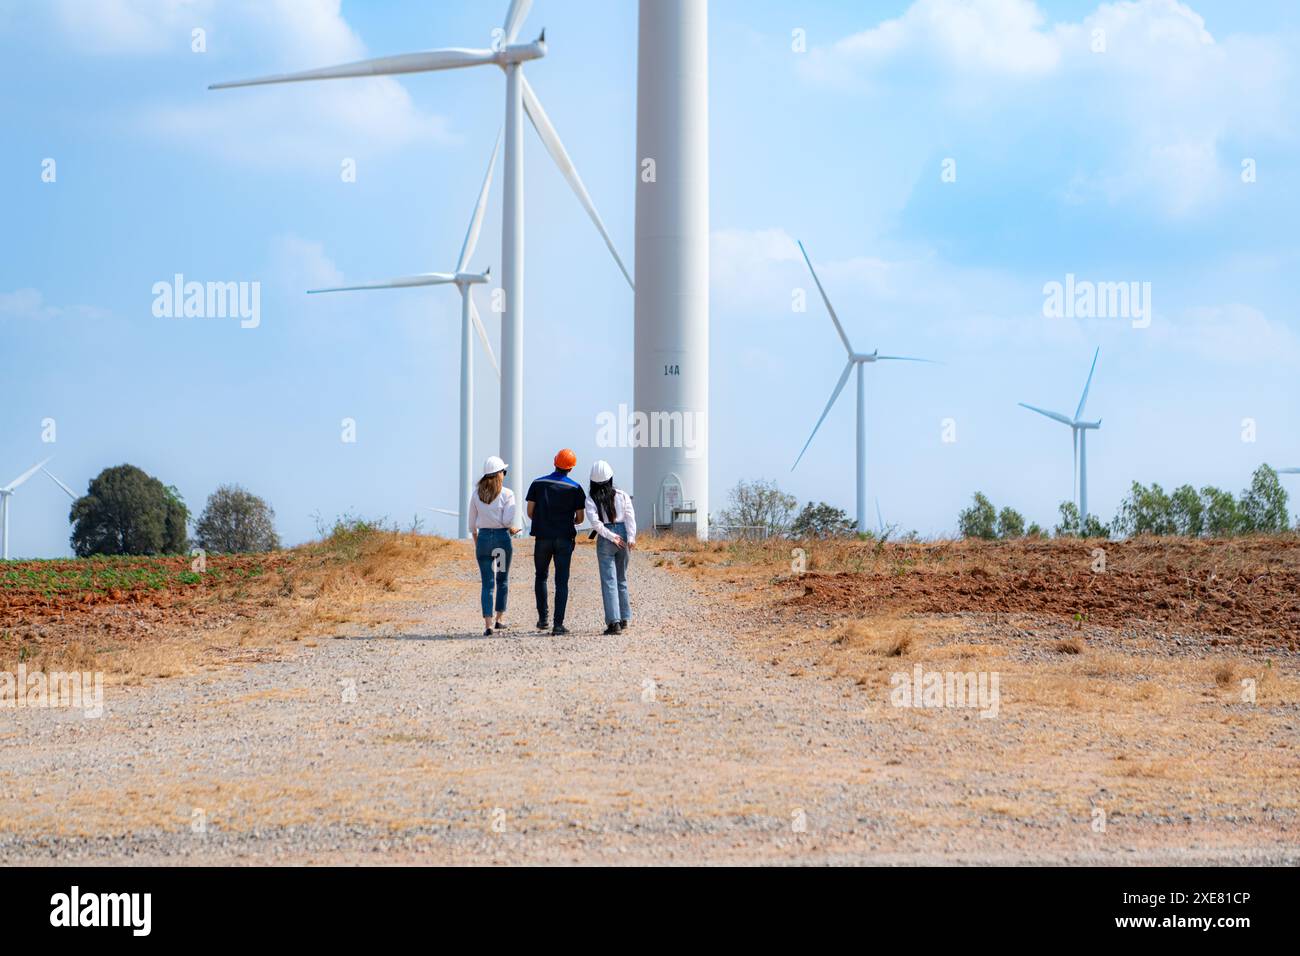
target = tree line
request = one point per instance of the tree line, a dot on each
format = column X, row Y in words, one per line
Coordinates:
column 761, row 508
column 1150, row 510
column 127, row 511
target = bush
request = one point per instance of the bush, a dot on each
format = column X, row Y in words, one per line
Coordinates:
column 979, row 520
column 822, row 521
column 1263, row 506
column 236, row 521
column 1011, row 523
column 126, row 511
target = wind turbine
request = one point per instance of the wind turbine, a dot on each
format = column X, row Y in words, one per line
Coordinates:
column 1079, row 432
column 510, row 57
column 5, row 494
column 858, row 360
column 71, row 494
column 1288, row 471
column 464, row 282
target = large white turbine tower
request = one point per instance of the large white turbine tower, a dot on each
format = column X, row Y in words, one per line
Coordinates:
column 670, row 473
column 5, row 494
column 464, row 282
column 1079, row 431
column 520, row 98
column 858, row 360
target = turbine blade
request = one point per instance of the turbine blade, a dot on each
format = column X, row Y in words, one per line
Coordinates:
column 25, row 475
column 476, row 222
column 1288, row 471
column 1088, row 384
column 444, row 511
column 482, row 333
column 904, row 358
column 880, row 519
column 402, row 282
column 71, row 494
column 428, row 61
column 825, row 298
column 515, row 19
column 839, row 387
column 1054, row 416
column 551, row 139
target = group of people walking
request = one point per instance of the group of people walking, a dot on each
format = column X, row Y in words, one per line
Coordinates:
column 557, row 506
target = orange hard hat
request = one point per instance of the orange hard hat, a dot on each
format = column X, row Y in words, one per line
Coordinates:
column 565, row 459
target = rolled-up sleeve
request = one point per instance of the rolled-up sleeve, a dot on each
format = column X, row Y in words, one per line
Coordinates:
column 509, row 509
column 471, row 512
column 629, row 519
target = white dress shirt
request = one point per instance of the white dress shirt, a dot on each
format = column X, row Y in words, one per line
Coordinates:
column 622, row 512
column 498, row 513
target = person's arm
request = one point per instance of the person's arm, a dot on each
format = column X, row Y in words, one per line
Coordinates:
column 530, row 511
column 629, row 520
column 471, row 515
column 593, row 515
column 510, row 512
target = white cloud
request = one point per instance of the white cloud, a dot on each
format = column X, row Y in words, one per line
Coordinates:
column 1233, row 333
column 30, row 304
column 301, row 124
column 114, row 27
column 1147, row 119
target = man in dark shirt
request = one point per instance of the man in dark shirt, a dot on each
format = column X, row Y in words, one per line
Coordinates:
column 555, row 507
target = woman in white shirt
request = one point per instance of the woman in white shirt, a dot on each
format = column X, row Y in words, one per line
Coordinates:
column 492, row 520
column 609, row 510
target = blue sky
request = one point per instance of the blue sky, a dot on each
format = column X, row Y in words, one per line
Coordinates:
column 1118, row 165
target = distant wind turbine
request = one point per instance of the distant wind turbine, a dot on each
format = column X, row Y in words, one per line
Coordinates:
column 1079, row 431
column 858, row 360
column 5, row 494
column 464, row 282
column 1288, row 471
column 520, row 98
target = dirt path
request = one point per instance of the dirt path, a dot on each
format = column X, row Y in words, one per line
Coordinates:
column 668, row 744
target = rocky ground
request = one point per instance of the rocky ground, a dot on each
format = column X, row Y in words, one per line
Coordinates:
column 722, row 727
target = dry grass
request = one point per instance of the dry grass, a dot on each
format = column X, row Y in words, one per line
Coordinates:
column 310, row 591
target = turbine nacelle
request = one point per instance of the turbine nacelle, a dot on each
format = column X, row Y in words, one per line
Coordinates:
column 857, row 357
column 521, row 52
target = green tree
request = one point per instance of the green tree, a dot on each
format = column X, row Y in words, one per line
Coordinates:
column 1146, row 511
column 758, row 504
column 125, row 511
column 1035, row 530
column 1069, row 523
column 1094, row 527
column 979, row 520
column 822, row 521
column 236, row 521
column 1222, row 517
column 1263, row 506
column 1011, row 523
column 1187, row 511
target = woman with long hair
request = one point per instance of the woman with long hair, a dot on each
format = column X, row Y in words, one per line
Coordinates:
column 609, row 510
column 492, row 520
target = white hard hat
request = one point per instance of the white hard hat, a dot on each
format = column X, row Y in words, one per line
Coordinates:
column 600, row 471
column 492, row 465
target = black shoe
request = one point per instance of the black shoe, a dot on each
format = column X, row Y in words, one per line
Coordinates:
column 613, row 628
column 558, row 630
column 500, row 626
column 487, row 632
column 543, row 624
column 622, row 625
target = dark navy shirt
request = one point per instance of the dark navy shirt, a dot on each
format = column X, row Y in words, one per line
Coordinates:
column 556, row 497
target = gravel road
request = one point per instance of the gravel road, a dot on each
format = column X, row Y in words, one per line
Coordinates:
column 426, row 742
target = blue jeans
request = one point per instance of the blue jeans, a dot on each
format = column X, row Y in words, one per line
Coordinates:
column 493, row 552
column 612, row 561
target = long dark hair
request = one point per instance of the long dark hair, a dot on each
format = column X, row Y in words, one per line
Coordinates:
column 489, row 486
column 602, row 492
